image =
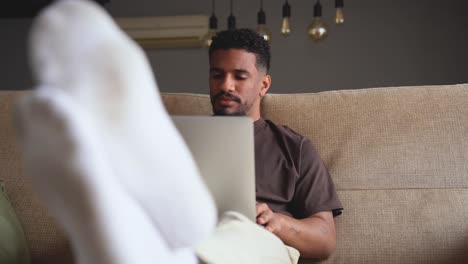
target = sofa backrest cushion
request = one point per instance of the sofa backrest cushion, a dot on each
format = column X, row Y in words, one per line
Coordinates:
column 383, row 138
column 187, row 104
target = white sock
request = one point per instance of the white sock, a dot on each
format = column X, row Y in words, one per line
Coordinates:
column 64, row 158
column 76, row 48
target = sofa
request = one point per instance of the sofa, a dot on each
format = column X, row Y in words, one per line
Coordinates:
column 398, row 157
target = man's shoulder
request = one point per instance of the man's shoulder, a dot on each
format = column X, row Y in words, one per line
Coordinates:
column 286, row 132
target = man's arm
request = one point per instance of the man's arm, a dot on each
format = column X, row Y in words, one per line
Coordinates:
column 314, row 236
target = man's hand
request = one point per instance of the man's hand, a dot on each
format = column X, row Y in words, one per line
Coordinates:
column 272, row 221
column 314, row 236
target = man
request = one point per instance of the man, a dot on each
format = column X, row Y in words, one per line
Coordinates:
column 296, row 198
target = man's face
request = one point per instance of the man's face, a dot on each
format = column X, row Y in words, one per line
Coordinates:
column 236, row 85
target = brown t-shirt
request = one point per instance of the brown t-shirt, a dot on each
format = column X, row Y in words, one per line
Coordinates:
column 290, row 176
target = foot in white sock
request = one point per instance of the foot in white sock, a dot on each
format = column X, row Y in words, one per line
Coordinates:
column 76, row 47
column 63, row 155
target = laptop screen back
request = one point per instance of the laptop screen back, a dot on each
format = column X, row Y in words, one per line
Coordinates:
column 223, row 148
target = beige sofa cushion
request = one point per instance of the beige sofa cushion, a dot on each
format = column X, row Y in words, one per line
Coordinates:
column 384, row 138
column 47, row 243
column 187, row 104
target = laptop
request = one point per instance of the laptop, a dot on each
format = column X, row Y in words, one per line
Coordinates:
column 223, row 148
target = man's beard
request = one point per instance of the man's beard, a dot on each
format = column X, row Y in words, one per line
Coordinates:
column 223, row 111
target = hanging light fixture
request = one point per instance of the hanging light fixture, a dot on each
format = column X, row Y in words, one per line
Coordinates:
column 207, row 39
column 286, row 23
column 231, row 20
column 318, row 30
column 339, row 17
column 262, row 30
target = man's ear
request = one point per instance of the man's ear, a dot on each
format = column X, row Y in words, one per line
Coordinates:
column 266, row 82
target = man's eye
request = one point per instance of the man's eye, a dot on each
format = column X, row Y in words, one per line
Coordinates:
column 241, row 77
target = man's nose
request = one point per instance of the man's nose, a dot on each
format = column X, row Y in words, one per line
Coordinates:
column 228, row 84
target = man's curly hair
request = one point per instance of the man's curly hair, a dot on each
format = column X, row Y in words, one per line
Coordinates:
column 245, row 39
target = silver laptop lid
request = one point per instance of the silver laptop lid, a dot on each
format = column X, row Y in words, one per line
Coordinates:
column 223, row 148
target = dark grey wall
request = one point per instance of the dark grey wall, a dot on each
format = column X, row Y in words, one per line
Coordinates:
column 383, row 43
column 14, row 73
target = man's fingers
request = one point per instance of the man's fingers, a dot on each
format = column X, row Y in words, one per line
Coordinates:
column 264, row 217
column 270, row 220
column 261, row 207
column 264, row 213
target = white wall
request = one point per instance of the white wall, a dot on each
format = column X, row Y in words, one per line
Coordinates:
column 383, row 43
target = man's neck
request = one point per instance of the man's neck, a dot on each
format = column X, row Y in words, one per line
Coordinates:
column 254, row 116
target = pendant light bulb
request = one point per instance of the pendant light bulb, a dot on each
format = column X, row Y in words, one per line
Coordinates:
column 264, row 32
column 286, row 22
column 213, row 27
column 262, row 29
column 339, row 17
column 317, row 30
column 208, row 37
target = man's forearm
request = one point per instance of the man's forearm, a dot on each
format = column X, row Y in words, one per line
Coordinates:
column 314, row 237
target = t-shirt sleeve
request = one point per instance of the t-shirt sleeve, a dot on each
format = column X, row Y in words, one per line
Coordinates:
column 315, row 190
